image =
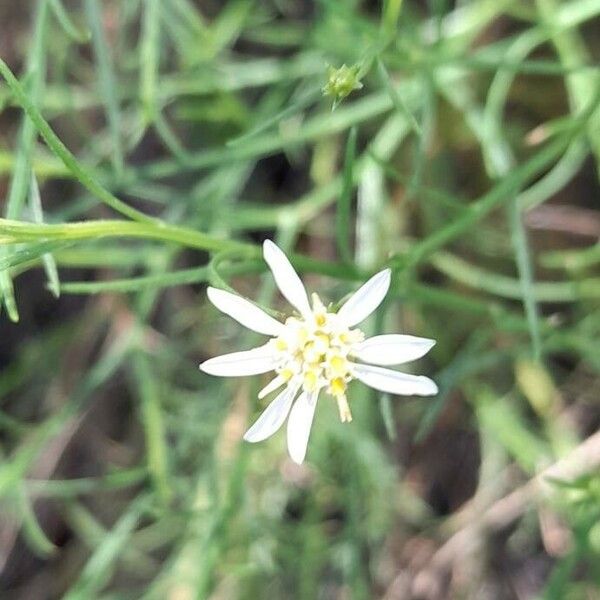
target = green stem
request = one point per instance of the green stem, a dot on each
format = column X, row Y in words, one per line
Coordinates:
column 84, row 230
column 18, row 232
column 507, row 287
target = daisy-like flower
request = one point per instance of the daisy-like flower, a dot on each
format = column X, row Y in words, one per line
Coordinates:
column 315, row 351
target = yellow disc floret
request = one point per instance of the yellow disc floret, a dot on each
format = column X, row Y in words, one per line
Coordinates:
column 312, row 352
column 337, row 365
column 337, row 387
column 311, row 379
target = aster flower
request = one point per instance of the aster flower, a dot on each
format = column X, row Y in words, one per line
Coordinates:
column 315, row 351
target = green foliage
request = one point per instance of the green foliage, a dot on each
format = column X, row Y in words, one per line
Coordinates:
column 149, row 146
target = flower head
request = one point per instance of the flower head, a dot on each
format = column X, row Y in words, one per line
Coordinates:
column 315, row 351
column 341, row 82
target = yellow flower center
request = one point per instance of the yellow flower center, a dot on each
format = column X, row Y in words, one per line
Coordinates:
column 314, row 351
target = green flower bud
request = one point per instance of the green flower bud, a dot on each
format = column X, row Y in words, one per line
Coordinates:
column 341, row 82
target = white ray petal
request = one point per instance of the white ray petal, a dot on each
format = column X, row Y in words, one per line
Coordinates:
column 366, row 299
column 286, row 278
column 299, row 424
column 244, row 312
column 238, row 364
column 392, row 349
column 273, row 385
column 394, row 382
column 272, row 417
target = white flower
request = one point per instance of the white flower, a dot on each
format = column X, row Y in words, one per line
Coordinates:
column 313, row 351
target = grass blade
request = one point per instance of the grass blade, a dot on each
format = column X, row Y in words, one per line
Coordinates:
column 387, row 415
column 152, row 419
column 80, row 36
column 343, row 213
column 30, row 252
column 47, row 259
column 295, row 107
column 32, row 530
column 397, row 100
column 100, row 565
column 149, row 57
column 106, row 82
column 524, row 268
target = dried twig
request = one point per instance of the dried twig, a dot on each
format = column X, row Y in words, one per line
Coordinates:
column 581, row 461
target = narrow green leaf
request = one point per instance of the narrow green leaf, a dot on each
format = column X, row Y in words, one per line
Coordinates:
column 387, row 414
column 344, row 204
column 32, row 530
column 508, row 426
column 80, row 36
column 38, row 216
column 190, row 15
column 106, row 82
column 390, row 15
column 30, row 252
column 509, row 287
column 153, row 422
column 8, row 295
column 396, row 98
column 524, row 268
column 572, row 260
column 85, row 230
column 169, row 137
column 149, row 57
column 67, row 488
column 13, row 469
column 99, row 567
column 293, row 108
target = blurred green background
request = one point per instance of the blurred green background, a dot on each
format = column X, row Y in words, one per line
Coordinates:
column 165, row 139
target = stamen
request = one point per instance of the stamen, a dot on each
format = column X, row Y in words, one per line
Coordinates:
column 345, row 414
column 319, row 311
column 312, row 354
column 337, row 387
column 338, row 366
column 287, row 373
column 310, row 380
